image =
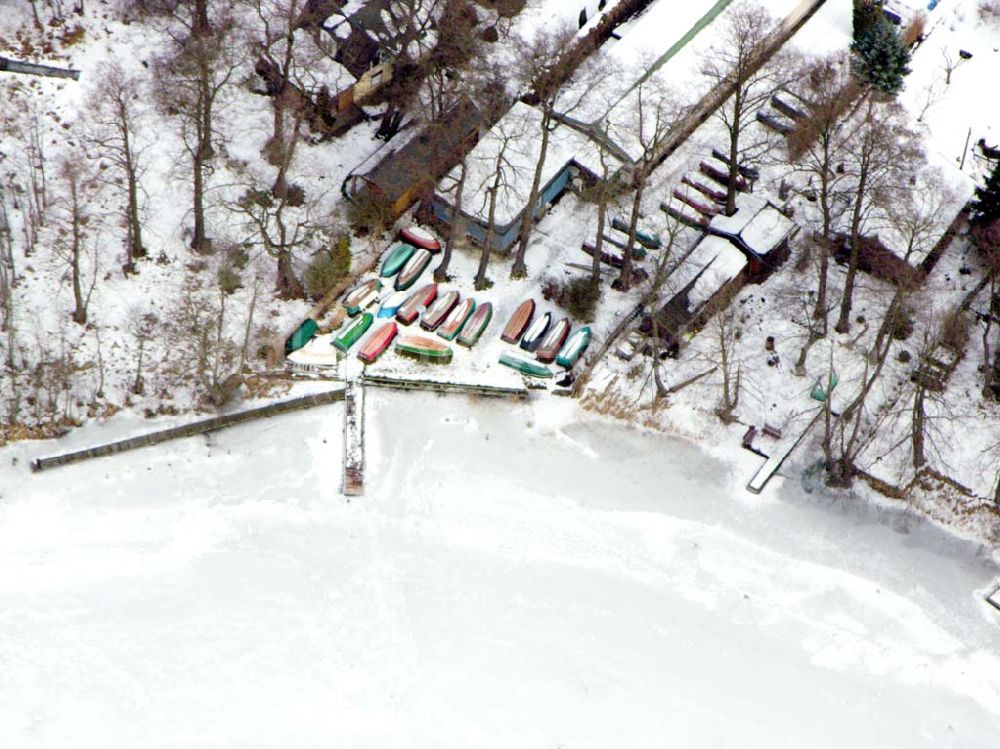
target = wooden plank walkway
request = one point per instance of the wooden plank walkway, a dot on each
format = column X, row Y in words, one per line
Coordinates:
column 777, row 456
column 354, row 439
column 190, row 430
column 402, row 383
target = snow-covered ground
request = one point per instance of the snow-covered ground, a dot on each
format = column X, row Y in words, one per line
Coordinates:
column 514, row 576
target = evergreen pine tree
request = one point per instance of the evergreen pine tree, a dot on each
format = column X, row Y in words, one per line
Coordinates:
column 881, row 58
column 986, row 205
column 866, row 16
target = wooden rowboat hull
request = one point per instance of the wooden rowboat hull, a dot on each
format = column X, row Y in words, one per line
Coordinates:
column 574, row 347
column 410, row 309
column 421, row 238
column 530, row 368
column 518, row 322
column 424, row 349
column 454, row 322
column 475, row 326
column 437, row 312
column 413, row 269
column 553, row 341
column 353, row 332
column 379, row 342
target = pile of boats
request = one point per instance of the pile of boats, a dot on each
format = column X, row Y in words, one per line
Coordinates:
column 548, row 341
column 443, row 317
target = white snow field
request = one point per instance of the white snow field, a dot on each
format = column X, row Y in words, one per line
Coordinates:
column 516, row 576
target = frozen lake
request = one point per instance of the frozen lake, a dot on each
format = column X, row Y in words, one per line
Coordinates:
column 511, row 579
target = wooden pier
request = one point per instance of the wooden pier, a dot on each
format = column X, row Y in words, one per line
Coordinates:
column 354, row 439
column 782, row 450
column 189, row 430
column 435, row 386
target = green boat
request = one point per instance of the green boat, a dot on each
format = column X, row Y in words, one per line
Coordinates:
column 358, row 327
column 396, row 259
column 575, row 345
column 411, row 271
column 456, row 319
column 475, row 325
column 525, row 367
column 301, row 336
column 424, row 349
column 646, row 239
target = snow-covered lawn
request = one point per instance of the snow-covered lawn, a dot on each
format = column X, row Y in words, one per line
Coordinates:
column 514, row 576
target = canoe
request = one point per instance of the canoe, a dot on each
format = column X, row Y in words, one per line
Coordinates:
column 416, row 265
column 436, row 313
column 358, row 327
column 420, row 237
column 647, row 239
column 391, row 305
column 519, row 321
column 553, row 341
column 378, row 343
column 361, row 296
column 524, row 366
column 423, row 348
column 536, row 332
column 396, row 259
column 614, row 259
column 456, row 319
column 476, row 325
column 416, row 303
column 575, row 345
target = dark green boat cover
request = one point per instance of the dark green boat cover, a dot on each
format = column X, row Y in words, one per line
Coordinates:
column 301, row 337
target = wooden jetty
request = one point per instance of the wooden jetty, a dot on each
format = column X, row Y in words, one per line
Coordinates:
column 354, row 439
column 468, row 388
column 189, row 430
column 784, row 447
column 31, row 68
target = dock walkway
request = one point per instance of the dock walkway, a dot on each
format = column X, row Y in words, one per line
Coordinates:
column 354, row 439
column 442, row 386
column 782, row 449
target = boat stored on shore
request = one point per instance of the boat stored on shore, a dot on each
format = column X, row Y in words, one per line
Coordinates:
column 533, row 338
column 413, row 269
column 525, row 366
column 456, row 319
column 574, row 347
column 357, row 328
column 424, row 348
column 378, row 343
column 475, row 326
column 416, row 303
column 361, row 296
column 396, row 259
column 436, row 313
column 518, row 322
column 553, row 341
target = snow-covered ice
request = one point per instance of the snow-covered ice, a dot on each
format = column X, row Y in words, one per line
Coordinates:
column 516, row 575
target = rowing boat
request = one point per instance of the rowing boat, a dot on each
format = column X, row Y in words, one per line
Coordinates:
column 519, row 321
column 456, row 319
column 358, row 327
column 575, row 345
column 416, row 265
column 476, row 325
column 361, row 296
column 396, row 259
column 416, row 303
column 378, row 343
column 524, row 366
column 536, row 332
column 392, row 304
column 436, row 313
column 423, row 348
column 553, row 341
column 420, row 237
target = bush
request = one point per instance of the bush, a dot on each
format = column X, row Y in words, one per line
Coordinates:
column 228, row 279
column 899, row 323
column 579, row 296
column 327, row 268
column 368, row 212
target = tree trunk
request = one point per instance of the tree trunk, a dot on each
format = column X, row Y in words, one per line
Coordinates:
column 457, row 227
column 136, row 248
column 844, row 321
column 519, row 269
column 919, row 421
column 602, row 217
column 286, row 284
column 199, row 242
column 202, row 26
column 627, row 276
column 484, row 258
column 734, row 152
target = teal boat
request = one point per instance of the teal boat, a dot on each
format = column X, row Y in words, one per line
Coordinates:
column 574, row 347
column 456, row 319
column 396, row 259
column 358, row 327
column 525, row 367
column 301, row 336
column 646, row 239
column 475, row 325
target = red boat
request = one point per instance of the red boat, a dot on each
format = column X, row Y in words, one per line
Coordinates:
column 703, row 208
column 718, row 196
column 419, row 299
column 420, row 237
column 519, row 321
column 438, row 311
column 378, row 343
column 548, row 349
column 614, row 259
column 722, row 176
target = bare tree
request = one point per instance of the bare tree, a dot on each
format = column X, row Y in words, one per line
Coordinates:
column 192, row 78
column 75, row 226
column 113, row 123
column 541, row 68
column 884, row 156
column 817, row 147
column 739, row 62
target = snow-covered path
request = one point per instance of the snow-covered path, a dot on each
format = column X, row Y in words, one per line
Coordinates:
column 553, row 582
